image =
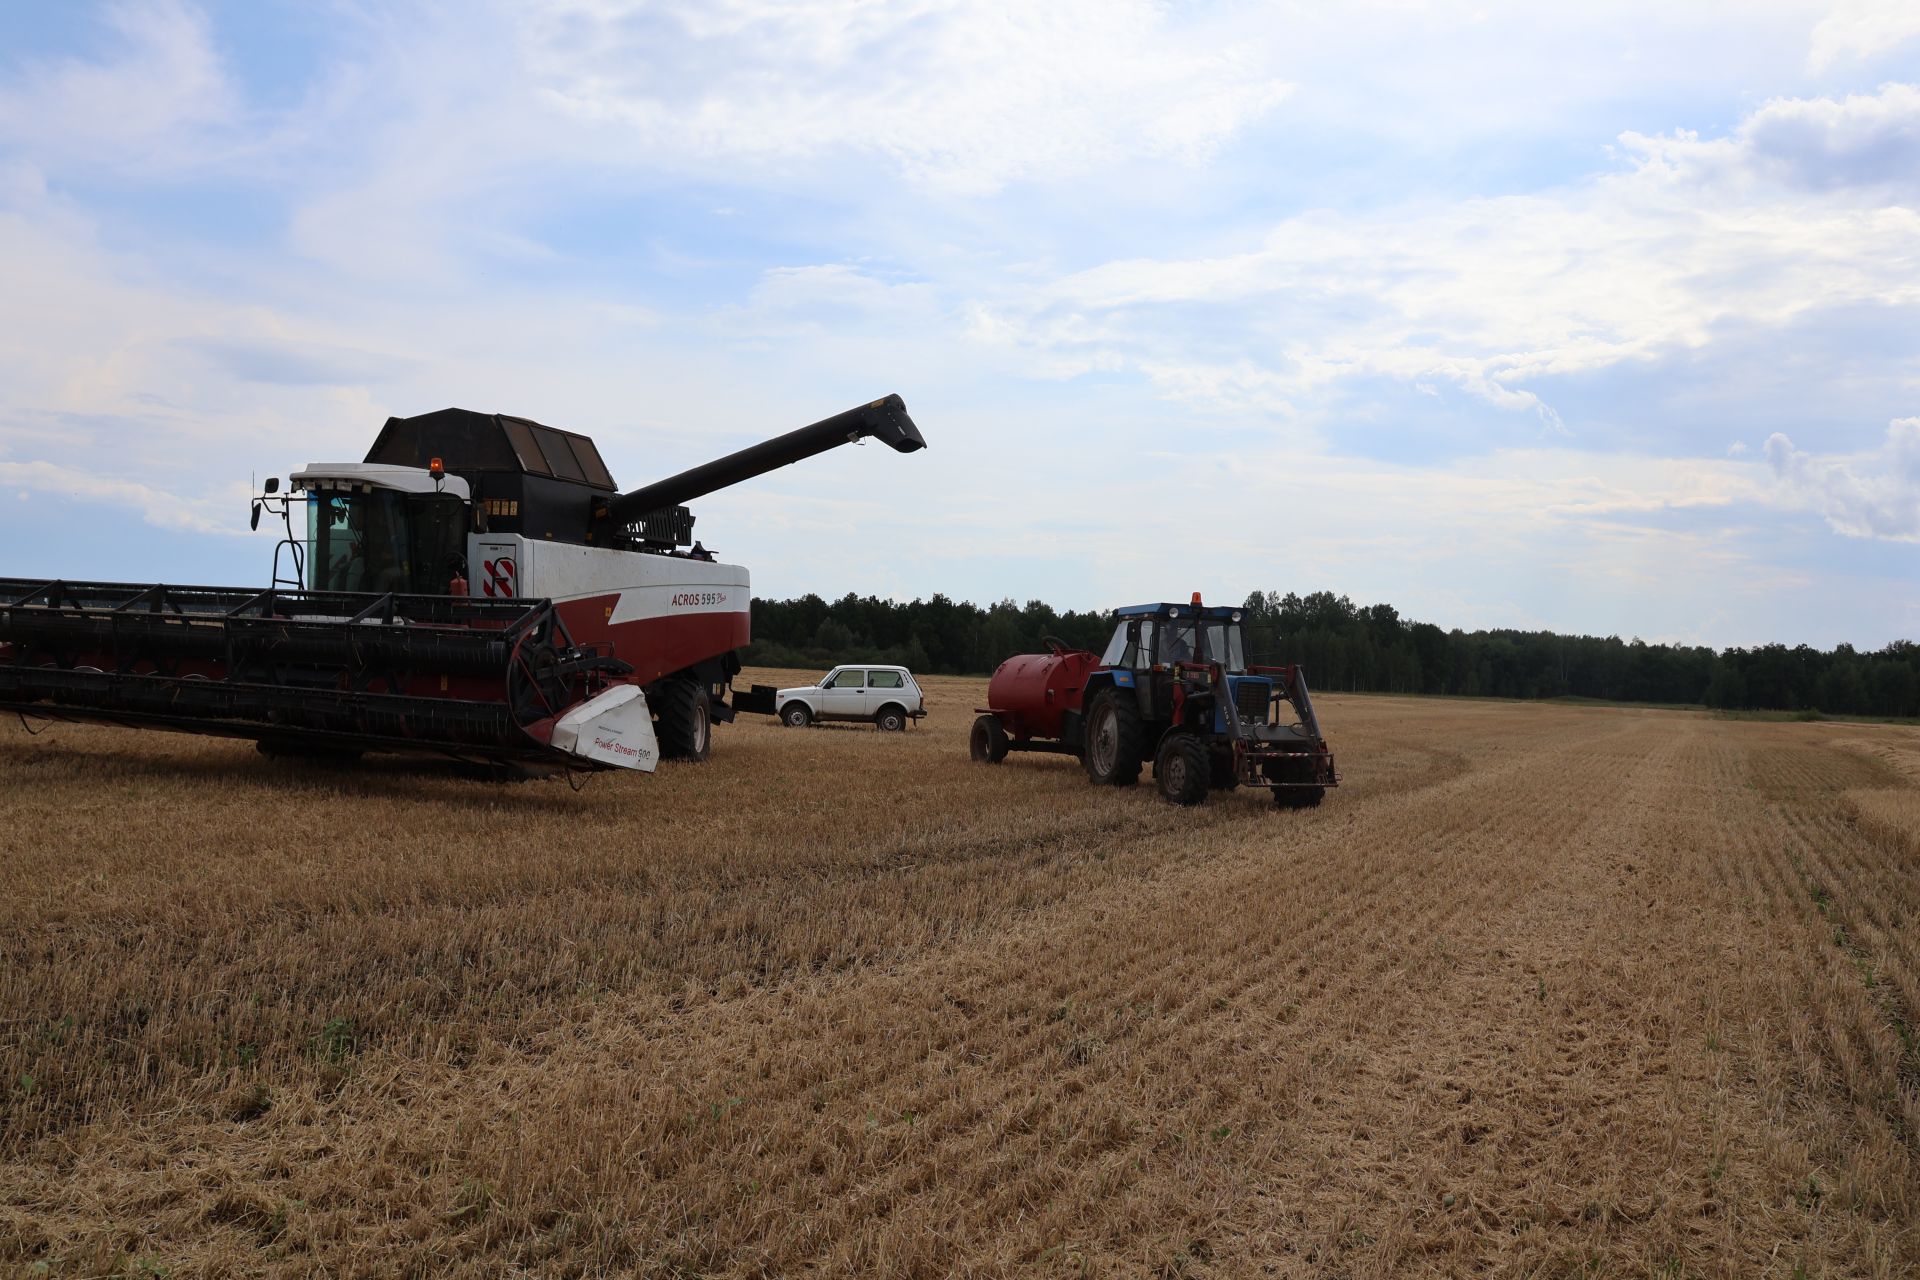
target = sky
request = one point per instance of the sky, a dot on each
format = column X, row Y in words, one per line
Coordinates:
column 1599, row 319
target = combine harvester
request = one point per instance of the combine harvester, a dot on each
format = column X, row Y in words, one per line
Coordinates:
column 477, row 588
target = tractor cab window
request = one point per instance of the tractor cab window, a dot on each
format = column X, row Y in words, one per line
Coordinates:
column 1226, row 646
column 1131, row 644
column 1176, row 643
column 382, row 540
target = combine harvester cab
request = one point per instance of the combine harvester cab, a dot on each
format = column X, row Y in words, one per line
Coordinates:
column 1174, row 687
column 476, row 588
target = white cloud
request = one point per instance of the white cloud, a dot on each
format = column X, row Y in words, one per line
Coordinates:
column 146, row 107
column 1869, row 142
column 158, row 507
column 966, row 97
column 1488, row 295
column 1874, row 495
column 1862, row 29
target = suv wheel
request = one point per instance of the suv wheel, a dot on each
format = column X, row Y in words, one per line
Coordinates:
column 890, row 720
column 795, row 715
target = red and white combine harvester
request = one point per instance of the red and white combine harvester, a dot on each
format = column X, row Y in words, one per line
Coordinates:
column 477, row 588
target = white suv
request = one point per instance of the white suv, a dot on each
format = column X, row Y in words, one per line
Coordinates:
column 885, row 695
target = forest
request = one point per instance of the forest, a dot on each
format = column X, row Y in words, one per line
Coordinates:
column 1372, row 649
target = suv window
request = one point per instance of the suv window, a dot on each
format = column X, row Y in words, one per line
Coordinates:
column 885, row 680
column 849, row 680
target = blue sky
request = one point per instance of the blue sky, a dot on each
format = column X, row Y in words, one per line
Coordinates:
column 1606, row 322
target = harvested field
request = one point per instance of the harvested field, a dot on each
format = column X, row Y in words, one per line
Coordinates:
column 1541, row 991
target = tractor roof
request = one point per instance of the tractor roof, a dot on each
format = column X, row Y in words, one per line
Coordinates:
column 1212, row 612
column 477, row 442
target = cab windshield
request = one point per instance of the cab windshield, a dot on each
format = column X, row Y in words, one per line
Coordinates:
column 1142, row 643
column 383, row 541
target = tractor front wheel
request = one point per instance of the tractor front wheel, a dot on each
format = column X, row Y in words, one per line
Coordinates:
column 1113, row 739
column 987, row 743
column 685, row 725
column 1180, row 768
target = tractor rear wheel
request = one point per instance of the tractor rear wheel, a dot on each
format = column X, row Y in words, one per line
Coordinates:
column 1180, row 768
column 1113, row 739
column 685, row 725
column 987, row 742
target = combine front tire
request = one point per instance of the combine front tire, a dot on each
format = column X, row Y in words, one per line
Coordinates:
column 1180, row 769
column 987, row 743
column 685, row 724
column 1113, row 739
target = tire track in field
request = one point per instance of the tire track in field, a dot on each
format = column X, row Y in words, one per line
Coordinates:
column 1800, row 1033
column 1232, row 974
column 1394, row 1012
column 1134, row 975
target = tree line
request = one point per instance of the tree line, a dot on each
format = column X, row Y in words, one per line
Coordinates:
column 1350, row 648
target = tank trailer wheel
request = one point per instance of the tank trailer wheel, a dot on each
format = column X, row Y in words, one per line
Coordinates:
column 795, row 715
column 890, row 720
column 987, row 743
column 1299, row 797
column 1113, row 740
column 1180, row 768
column 685, row 721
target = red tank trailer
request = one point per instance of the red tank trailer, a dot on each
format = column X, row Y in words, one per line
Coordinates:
column 1033, row 690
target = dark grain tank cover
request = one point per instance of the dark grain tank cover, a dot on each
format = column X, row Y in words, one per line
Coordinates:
column 471, row 442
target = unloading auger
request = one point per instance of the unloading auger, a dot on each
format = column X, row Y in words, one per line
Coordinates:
column 476, row 588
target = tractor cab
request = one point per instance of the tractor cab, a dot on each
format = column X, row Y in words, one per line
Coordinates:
column 1159, row 635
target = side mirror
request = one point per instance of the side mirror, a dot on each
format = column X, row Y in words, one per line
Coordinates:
column 272, row 485
column 254, row 523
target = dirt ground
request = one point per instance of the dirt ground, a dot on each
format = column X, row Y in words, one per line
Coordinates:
column 1539, row 991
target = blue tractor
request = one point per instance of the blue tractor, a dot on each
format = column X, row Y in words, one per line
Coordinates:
column 1174, row 687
